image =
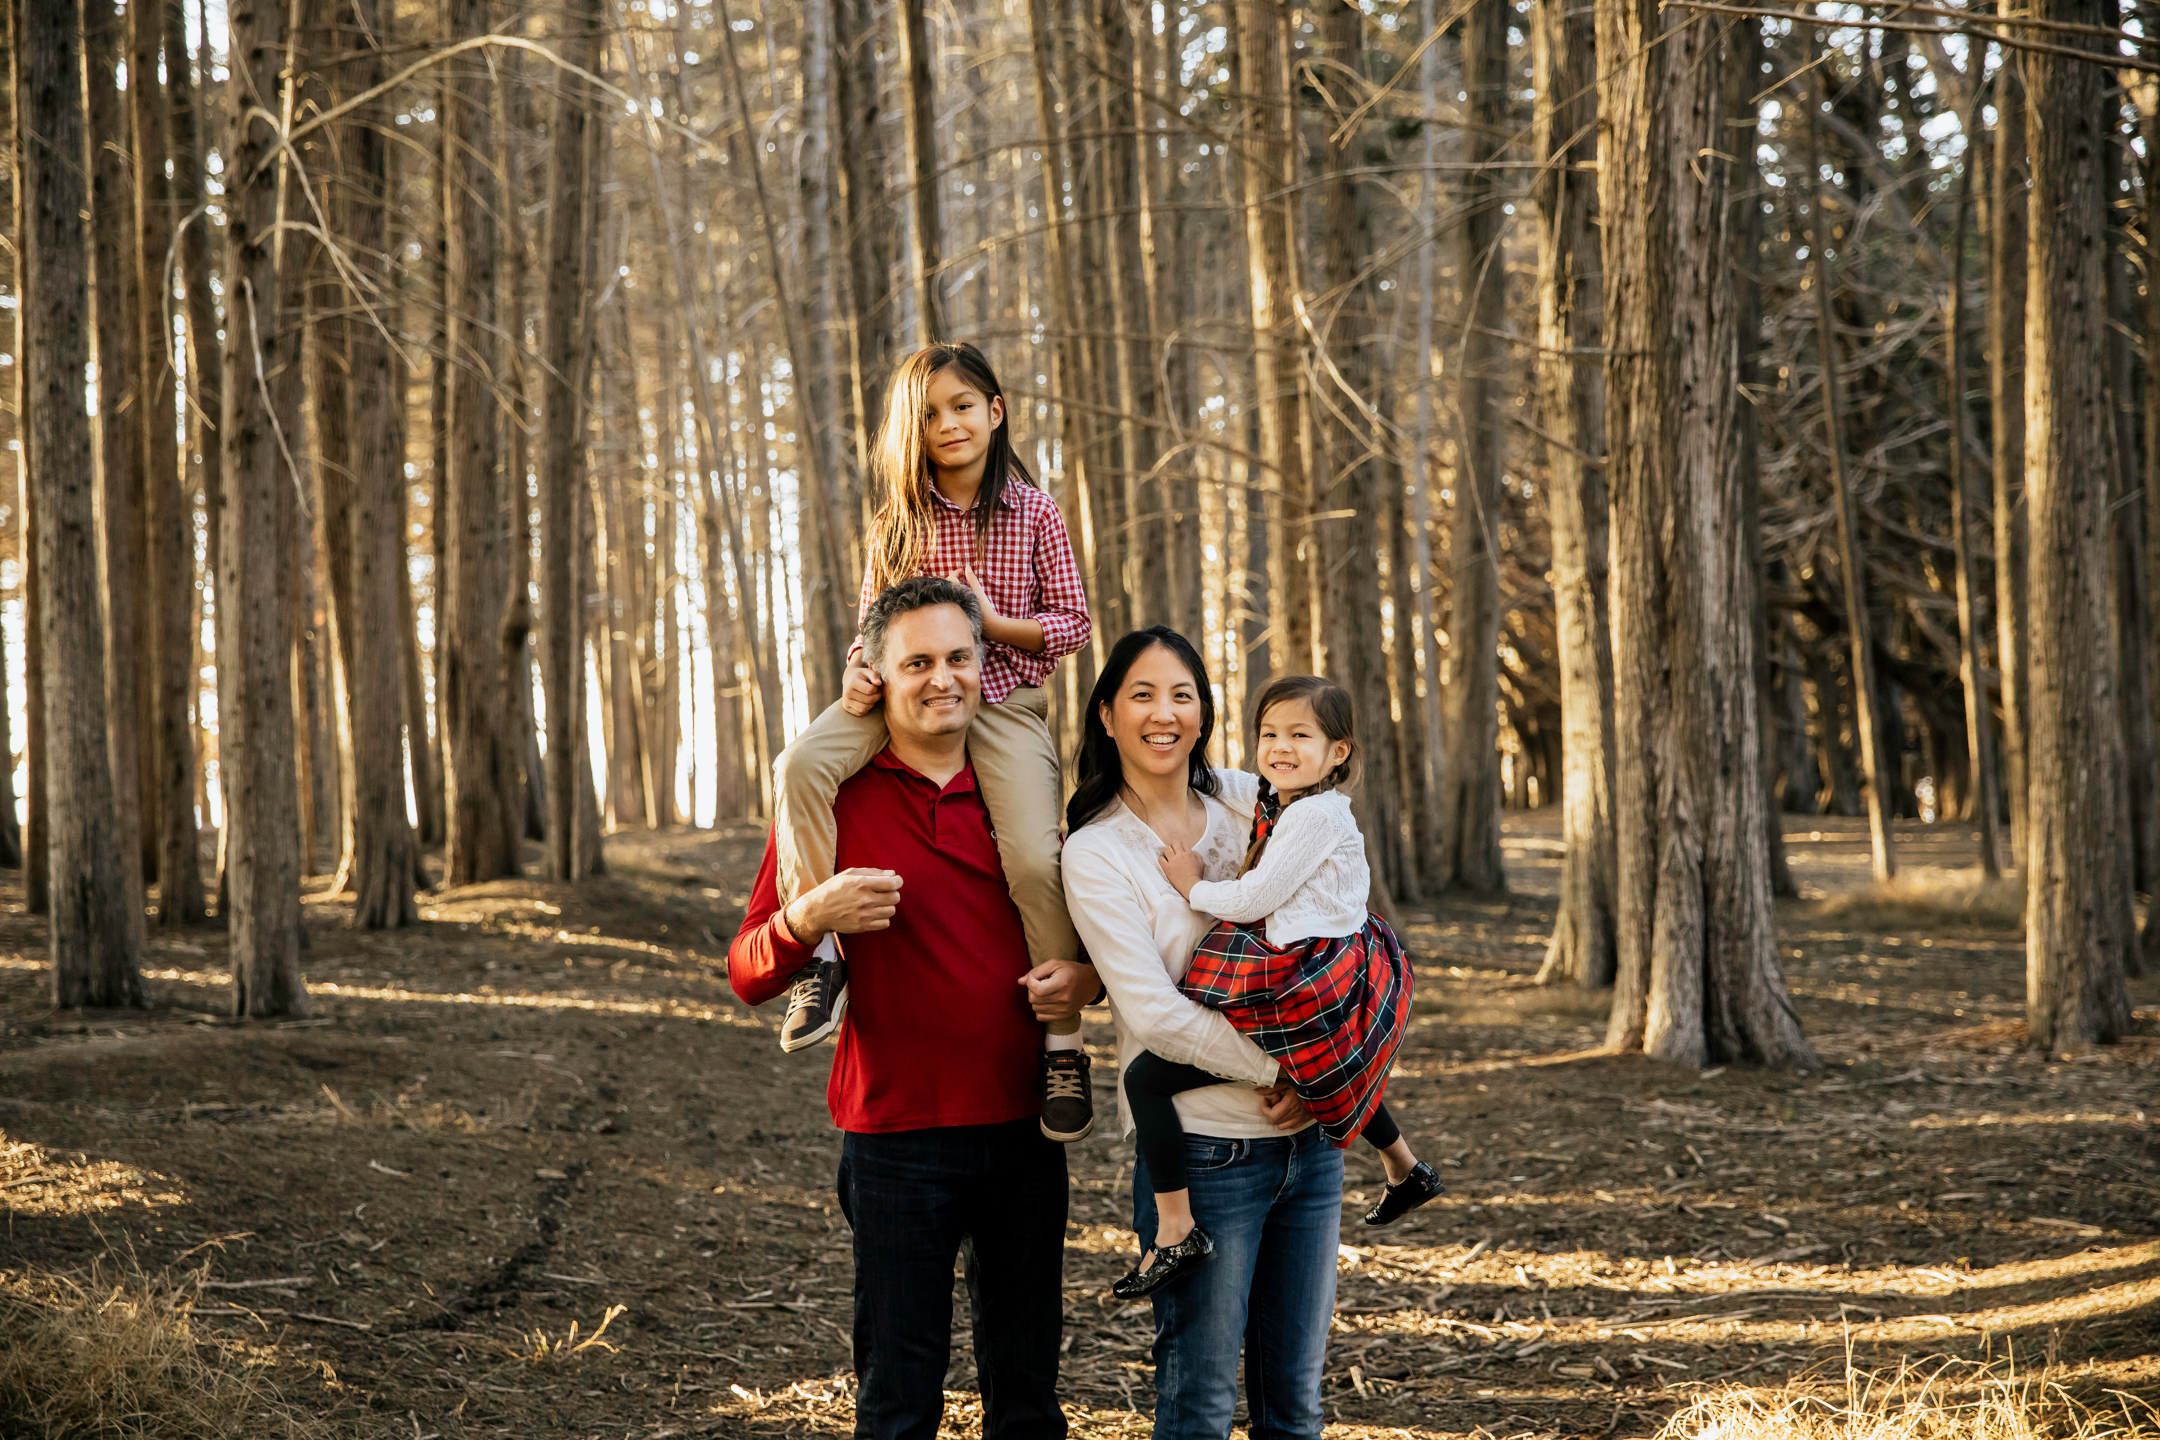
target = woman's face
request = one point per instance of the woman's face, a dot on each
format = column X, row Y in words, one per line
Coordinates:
column 1155, row 717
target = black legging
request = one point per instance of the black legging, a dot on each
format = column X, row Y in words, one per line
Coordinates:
column 1152, row 1085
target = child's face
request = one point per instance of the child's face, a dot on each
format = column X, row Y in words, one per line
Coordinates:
column 958, row 420
column 1293, row 752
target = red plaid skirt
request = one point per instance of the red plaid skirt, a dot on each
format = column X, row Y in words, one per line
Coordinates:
column 1331, row 1011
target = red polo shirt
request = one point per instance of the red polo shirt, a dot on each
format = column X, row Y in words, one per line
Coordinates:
column 938, row 1028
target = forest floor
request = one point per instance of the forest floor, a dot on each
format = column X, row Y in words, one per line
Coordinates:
column 544, row 1103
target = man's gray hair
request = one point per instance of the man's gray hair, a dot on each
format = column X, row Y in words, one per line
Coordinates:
column 918, row 593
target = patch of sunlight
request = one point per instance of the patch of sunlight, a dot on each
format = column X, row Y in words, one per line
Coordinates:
column 38, row 1181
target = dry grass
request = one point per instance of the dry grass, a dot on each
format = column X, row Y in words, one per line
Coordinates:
column 1928, row 897
column 119, row 1357
column 1951, row 1400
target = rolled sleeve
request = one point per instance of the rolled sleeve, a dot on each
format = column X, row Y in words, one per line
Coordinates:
column 1066, row 623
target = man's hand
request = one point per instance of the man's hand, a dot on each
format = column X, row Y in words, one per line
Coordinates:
column 1182, row 865
column 861, row 691
column 1057, row 989
column 848, row 904
column 1282, row 1107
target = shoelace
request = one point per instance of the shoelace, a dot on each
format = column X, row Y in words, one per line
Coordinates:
column 1064, row 1083
column 808, row 994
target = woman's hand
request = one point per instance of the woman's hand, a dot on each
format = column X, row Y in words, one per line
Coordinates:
column 1282, row 1107
column 1181, row 865
column 861, row 691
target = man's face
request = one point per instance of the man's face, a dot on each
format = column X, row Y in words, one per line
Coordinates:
column 932, row 684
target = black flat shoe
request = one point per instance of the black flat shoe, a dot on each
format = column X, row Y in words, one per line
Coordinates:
column 1419, row 1186
column 1171, row 1261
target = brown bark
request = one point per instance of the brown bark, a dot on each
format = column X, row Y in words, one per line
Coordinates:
column 206, row 357
column 168, row 517
column 2007, row 230
column 96, row 918
column 2078, row 915
column 1261, row 78
column 872, row 317
column 1360, row 476
column 919, row 125
column 486, row 805
column 255, row 709
column 565, row 320
column 2149, row 938
column 1979, row 718
column 1570, row 400
column 1470, row 794
column 383, row 852
column 1698, row 979
column 120, row 439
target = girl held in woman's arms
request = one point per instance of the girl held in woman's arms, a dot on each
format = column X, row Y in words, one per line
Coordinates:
column 1296, row 963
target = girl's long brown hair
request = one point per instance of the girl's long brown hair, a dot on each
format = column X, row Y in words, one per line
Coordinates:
column 906, row 525
column 1338, row 721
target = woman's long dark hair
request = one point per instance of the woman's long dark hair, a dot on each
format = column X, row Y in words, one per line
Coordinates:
column 1098, row 769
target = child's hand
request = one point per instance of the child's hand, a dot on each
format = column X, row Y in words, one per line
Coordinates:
column 966, row 576
column 1182, row 866
column 861, row 692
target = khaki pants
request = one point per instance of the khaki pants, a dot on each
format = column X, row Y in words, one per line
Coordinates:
column 1016, row 766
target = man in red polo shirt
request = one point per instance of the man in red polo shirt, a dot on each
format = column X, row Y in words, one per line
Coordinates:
column 936, row 1078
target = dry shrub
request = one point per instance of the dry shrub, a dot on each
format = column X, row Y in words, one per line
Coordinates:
column 1956, row 1400
column 1928, row 897
column 117, row 1359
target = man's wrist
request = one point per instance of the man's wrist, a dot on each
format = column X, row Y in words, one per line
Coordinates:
column 798, row 927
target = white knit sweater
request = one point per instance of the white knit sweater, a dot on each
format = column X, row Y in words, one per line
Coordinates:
column 1311, row 882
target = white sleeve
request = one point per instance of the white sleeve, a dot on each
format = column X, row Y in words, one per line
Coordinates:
column 1240, row 790
column 1159, row 1015
column 1304, row 837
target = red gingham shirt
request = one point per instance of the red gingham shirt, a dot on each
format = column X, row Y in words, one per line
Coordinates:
column 1028, row 569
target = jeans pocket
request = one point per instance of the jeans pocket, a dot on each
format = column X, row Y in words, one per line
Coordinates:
column 1202, row 1156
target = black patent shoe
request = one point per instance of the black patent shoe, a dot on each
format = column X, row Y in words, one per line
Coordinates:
column 1419, row 1186
column 1170, row 1261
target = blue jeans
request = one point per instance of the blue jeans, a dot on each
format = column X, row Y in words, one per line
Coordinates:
column 1274, row 1207
column 915, row 1199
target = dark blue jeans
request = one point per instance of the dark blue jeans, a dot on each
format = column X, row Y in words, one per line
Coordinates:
column 1274, row 1207
column 917, row 1198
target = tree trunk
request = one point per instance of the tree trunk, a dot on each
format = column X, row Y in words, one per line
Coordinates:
column 1270, row 206
column 1697, row 978
column 2149, row 939
column 1358, row 476
column 255, row 686
column 486, row 811
column 1570, row 401
column 872, row 317
column 565, row 321
column 2007, row 229
column 1470, row 799
column 1979, row 718
column 383, row 850
column 169, row 518
column 919, row 125
column 120, row 435
column 206, row 370
column 1426, row 824
column 2078, row 915
column 2131, row 600
column 96, row 921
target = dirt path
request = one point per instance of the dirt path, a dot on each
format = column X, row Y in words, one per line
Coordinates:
column 545, row 1104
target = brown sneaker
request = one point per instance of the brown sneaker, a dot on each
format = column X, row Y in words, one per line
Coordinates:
column 1068, row 1112
column 818, row 1002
